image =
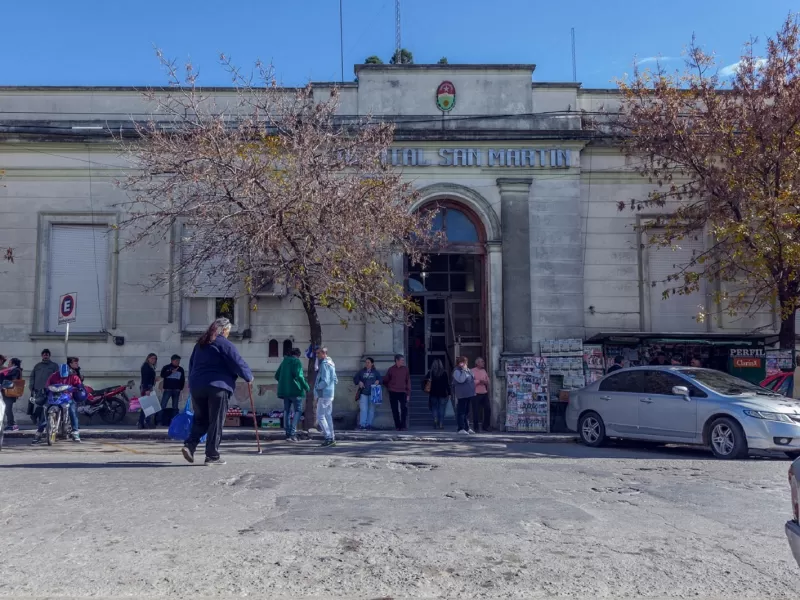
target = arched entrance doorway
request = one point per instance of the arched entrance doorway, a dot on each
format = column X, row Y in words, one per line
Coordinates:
column 450, row 291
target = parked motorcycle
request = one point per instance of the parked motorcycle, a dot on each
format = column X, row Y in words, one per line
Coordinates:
column 110, row 403
column 57, row 412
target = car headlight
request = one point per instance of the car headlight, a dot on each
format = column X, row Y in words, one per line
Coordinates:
column 769, row 416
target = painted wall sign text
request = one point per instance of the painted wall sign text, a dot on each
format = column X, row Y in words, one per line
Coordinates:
column 747, row 352
column 479, row 157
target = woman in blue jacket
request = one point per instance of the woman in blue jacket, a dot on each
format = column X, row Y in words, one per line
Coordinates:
column 213, row 368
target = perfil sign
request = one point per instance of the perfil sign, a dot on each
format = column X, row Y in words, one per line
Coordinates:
column 537, row 158
column 67, row 308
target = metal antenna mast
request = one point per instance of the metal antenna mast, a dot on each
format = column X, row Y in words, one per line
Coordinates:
column 397, row 30
column 574, row 66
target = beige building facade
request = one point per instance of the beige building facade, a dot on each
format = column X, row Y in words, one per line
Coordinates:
column 528, row 195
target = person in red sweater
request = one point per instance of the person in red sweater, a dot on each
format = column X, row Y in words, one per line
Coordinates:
column 64, row 376
column 398, row 381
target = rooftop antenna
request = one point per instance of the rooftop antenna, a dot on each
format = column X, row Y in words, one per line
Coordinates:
column 397, row 40
column 341, row 40
column 574, row 68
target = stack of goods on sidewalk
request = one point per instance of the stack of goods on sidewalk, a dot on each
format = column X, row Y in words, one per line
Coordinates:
column 272, row 420
column 565, row 360
column 233, row 418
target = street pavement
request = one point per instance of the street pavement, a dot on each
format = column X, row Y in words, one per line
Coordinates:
column 392, row 519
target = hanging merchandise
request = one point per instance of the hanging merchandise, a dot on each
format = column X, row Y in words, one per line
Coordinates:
column 528, row 405
column 594, row 361
column 565, row 358
column 778, row 361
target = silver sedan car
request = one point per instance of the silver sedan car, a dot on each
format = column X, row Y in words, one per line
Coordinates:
column 674, row 404
column 793, row 526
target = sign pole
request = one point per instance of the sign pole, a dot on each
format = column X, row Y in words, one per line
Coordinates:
column 67, row 313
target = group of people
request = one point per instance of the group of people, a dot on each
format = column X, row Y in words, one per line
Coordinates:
column 173, row 378
column 44, row 374
column 215, row 365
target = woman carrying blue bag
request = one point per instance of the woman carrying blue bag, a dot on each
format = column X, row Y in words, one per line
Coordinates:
column 214, row 366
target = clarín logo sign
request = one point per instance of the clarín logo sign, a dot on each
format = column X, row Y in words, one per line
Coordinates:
column 541, row 158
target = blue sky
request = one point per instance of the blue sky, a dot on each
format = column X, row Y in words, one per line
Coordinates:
column 109, row 42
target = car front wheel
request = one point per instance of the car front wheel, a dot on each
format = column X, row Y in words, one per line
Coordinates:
column 727, row 439
column 592, row 430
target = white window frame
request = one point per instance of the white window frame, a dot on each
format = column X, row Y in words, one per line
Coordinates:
column 186, row 327
column 108, row 220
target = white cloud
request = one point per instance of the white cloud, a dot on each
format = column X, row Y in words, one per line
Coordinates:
column 652, row 59
column 731, row 70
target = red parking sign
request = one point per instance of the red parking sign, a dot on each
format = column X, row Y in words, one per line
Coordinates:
column 67, row 308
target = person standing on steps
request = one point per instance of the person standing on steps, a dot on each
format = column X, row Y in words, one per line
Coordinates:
column 292, row 389
column 481, row 406
column 439, row 394
column 464, row 391
column 174, row 378
column 147, row 385
column 214, row 366
column 324, row 391
column 365, row 379
column 398, row 382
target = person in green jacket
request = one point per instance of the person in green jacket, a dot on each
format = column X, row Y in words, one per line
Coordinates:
column 292, row 388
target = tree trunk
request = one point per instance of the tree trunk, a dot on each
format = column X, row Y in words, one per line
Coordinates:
column 315, row 329
column 787, row 333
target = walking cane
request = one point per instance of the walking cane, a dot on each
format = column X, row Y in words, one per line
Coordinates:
column 255, row 420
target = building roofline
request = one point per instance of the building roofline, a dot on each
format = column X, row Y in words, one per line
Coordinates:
column 437, row 67
column 140, row 89
column 556, row 84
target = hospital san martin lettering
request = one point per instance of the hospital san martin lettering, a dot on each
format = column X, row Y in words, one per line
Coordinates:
column 547, row 158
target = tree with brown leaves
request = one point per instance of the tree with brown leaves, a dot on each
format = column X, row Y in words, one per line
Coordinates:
column 725, row 157
column 271, row 188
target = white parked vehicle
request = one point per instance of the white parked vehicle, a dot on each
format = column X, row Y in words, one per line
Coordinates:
column 793, row 526
column 686, row 405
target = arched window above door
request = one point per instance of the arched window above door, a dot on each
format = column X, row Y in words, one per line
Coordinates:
column 456, row 225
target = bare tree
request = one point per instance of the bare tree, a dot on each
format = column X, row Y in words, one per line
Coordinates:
column 725, row 156
column 274, row 189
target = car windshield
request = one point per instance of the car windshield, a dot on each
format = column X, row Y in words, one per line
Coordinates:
column 723, row 383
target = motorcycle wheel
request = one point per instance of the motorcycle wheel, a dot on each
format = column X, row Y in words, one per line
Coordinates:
column 52, row 427
column 114, row 411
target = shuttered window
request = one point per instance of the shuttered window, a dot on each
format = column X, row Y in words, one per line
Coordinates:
column 678, row 313
column 79, row 263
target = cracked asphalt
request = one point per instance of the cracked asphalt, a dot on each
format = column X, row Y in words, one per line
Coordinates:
column 392, row 520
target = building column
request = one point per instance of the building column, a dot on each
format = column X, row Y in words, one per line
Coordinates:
column 516, row 269
column 493, row 310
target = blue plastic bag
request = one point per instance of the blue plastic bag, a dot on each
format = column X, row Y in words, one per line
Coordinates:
column 376, row 395
column 181, row 425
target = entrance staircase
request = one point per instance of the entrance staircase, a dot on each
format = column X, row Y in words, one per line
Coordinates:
column 419, row 416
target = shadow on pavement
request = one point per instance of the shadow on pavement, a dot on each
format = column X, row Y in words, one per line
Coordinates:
column 88, row 465
column 497, row 451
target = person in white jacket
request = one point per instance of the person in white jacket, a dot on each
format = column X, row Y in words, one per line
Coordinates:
column 324, row 391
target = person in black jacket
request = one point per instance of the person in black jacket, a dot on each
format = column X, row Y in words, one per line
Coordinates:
column 174, row 379
column 439, row 395
column 146, row 386
column 616, row 366
column 12, row 373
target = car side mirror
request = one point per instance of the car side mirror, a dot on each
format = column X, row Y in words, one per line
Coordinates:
column 680, row 390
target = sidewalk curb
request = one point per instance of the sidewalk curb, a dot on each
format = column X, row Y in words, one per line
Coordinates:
column 354, row 436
